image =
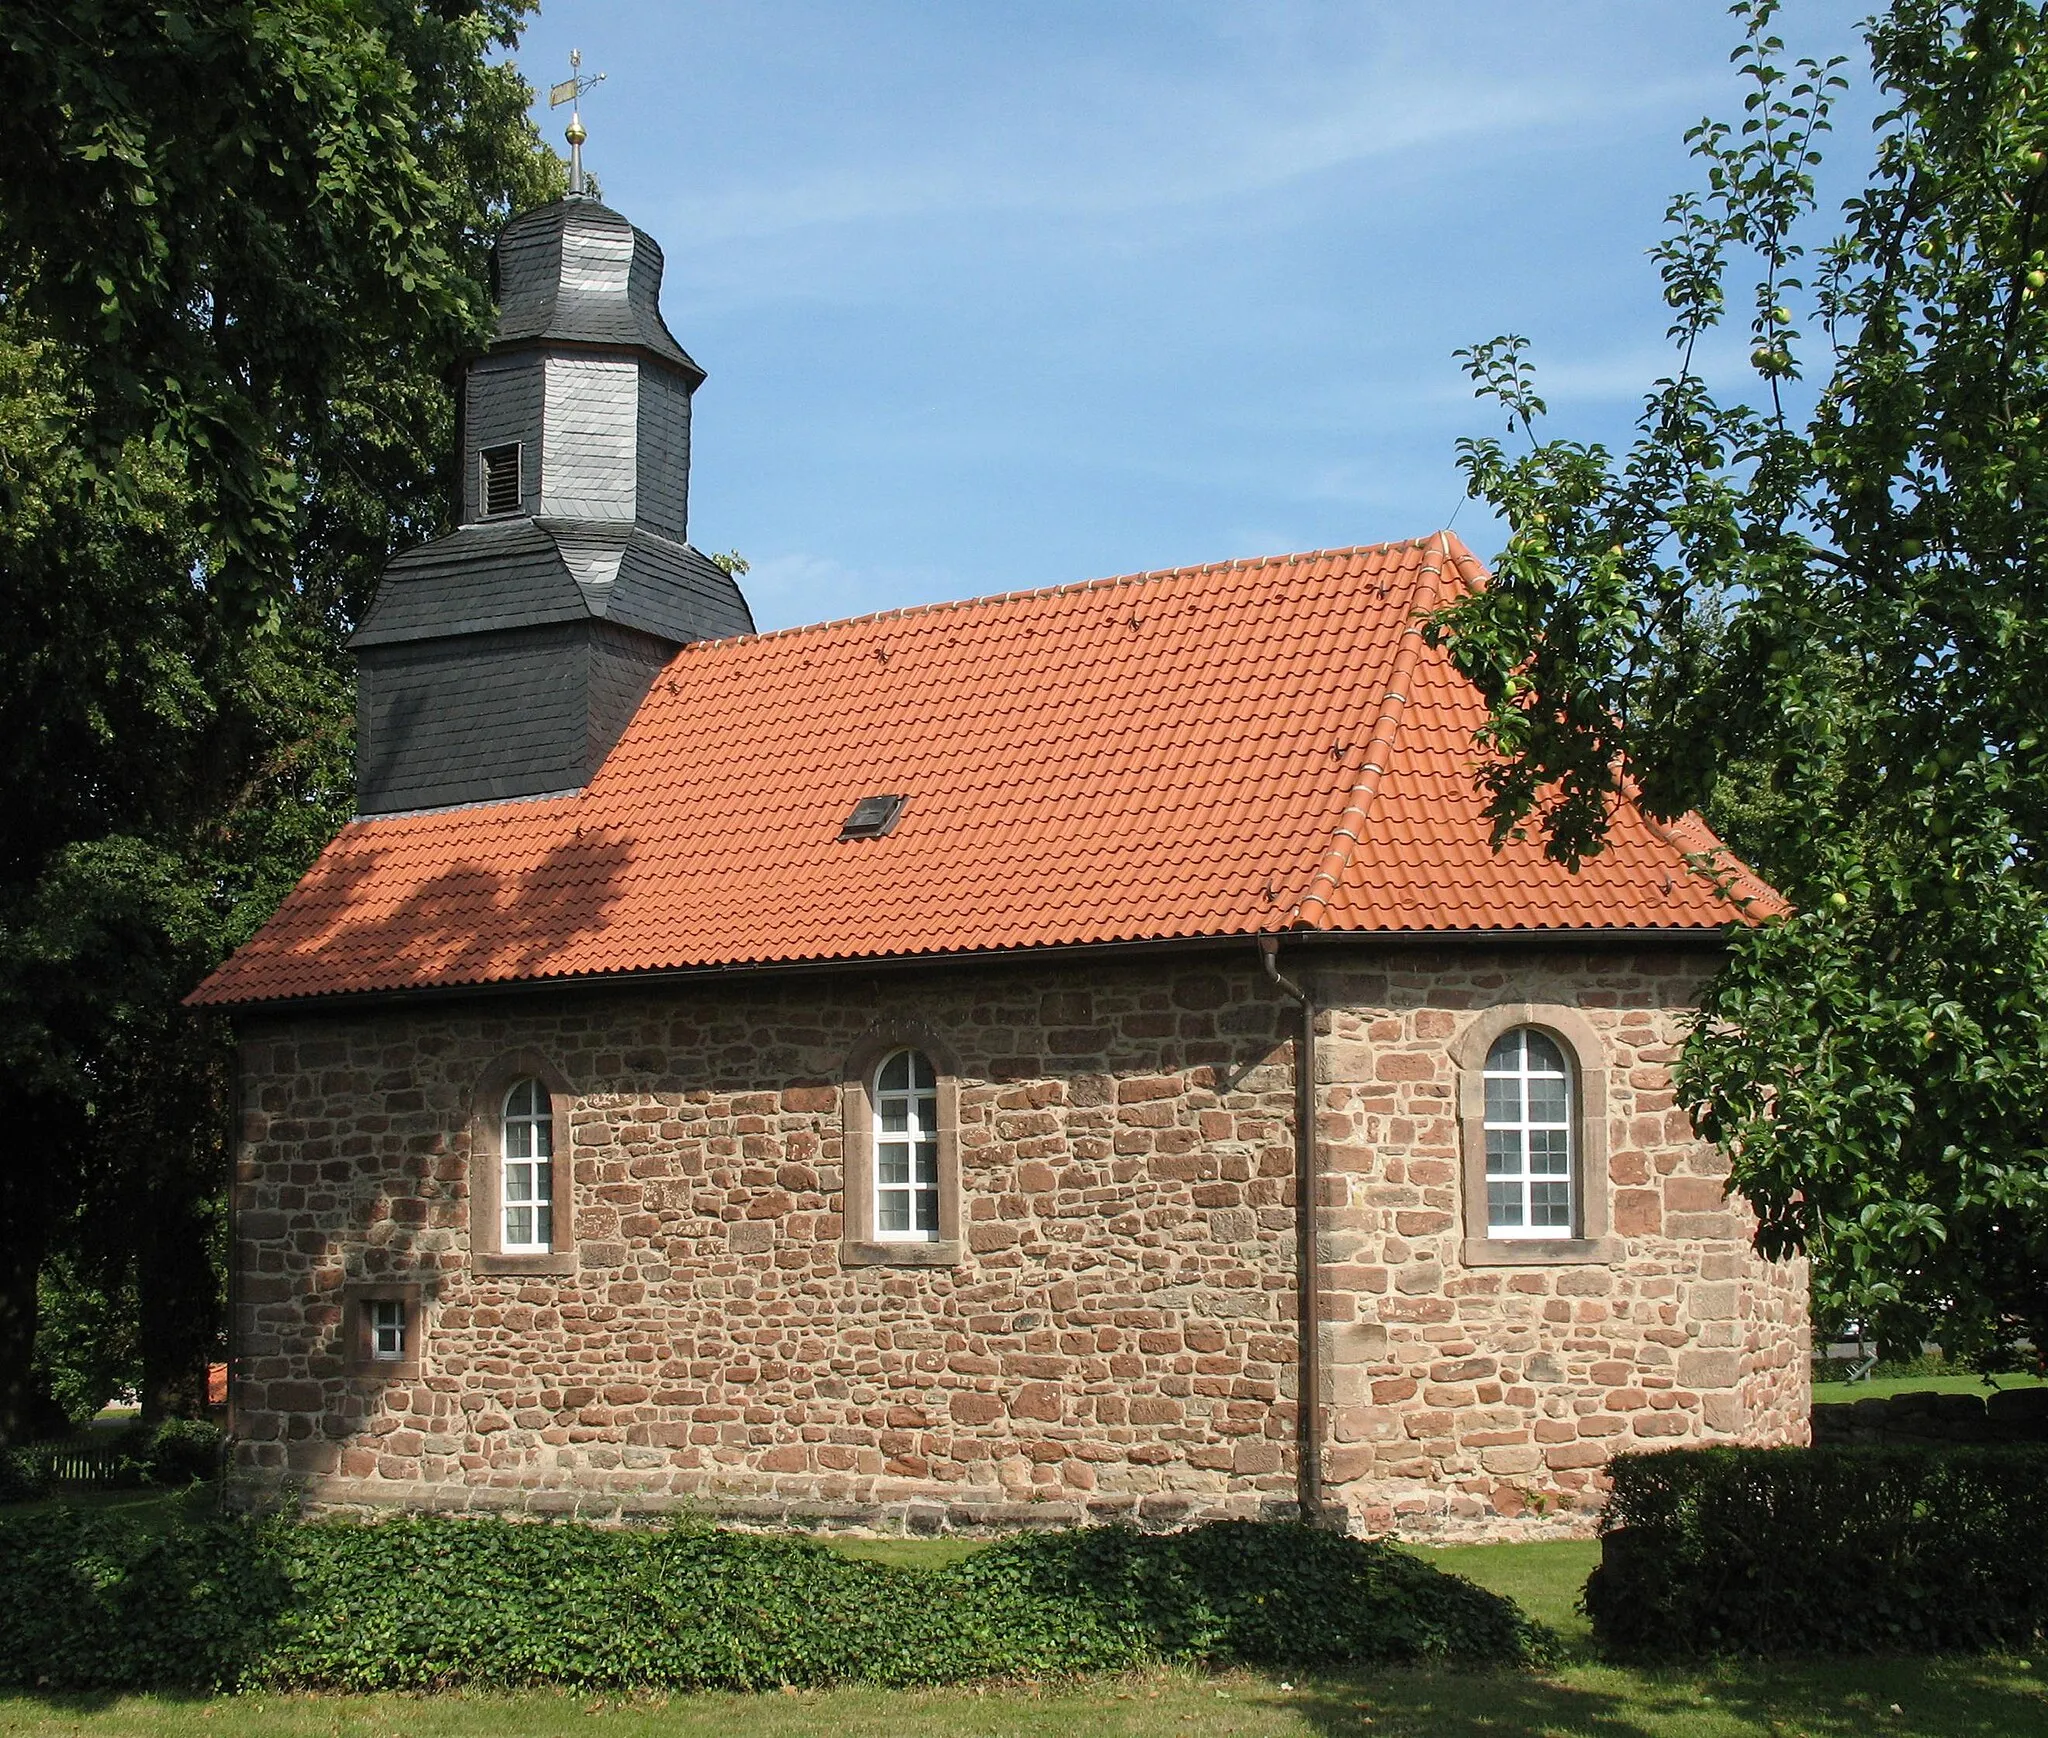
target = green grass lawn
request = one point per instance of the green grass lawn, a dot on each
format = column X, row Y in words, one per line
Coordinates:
column 908, row 1553
column 1585, row 1698
column 153, row 1508
column 1941, row 1699
column 1882, row 1387
column 1543, row 1578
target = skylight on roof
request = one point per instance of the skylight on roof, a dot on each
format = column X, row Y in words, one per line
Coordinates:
column 873, row 817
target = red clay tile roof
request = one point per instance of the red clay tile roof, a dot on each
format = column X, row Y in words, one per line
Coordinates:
column 1215, row 751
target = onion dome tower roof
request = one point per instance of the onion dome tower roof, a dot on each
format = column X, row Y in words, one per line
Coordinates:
column 578, row 272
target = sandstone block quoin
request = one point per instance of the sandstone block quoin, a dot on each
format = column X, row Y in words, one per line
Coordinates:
column 1111, row 1335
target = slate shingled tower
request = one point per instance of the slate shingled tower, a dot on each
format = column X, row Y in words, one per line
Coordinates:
column 505, row 659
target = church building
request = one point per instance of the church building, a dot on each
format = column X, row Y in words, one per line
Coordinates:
column 1066, row 1055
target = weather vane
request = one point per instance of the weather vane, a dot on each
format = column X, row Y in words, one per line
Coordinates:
column 570, row 91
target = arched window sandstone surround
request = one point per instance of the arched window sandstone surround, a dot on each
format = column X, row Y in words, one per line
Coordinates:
column 861, row 1245
column 487, row 1169
column 1586, row 1056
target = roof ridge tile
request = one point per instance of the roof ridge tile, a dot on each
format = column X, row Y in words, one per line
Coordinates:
column 1312, row 909
column 909, row 612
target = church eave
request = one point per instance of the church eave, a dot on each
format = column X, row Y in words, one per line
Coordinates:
column 1702, row 939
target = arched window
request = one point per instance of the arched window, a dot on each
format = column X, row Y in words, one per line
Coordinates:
column 526, row 1194
column 1529, row 1157
column 906, row 1107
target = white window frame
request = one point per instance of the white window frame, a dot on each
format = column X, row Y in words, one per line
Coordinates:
column 388, row 1329
column 526, row 1168
column 1523, row 1179
column 912, row 1148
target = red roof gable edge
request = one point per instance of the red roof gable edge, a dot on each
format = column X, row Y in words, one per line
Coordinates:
column 1312, row 911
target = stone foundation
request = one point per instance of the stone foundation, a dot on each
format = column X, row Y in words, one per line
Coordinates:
column 1110, row 1335
column 880, row 1510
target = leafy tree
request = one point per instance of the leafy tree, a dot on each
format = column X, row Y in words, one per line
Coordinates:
column 241, row 248
column 85, row 1335
column 1818, row 608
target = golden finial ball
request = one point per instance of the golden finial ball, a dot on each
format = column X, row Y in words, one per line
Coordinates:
column 575, row 133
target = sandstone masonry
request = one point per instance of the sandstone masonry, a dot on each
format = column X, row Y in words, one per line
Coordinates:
column 1110, row 1333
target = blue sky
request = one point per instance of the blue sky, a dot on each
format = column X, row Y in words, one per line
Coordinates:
column 996, row 295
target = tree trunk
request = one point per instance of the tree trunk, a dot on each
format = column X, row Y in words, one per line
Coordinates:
column 26, row 1408
column 178, row 1287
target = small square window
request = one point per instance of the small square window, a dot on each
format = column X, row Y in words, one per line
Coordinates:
column 873, row 817
column 387, row 1329
column 501, row 480
column 381, row 1327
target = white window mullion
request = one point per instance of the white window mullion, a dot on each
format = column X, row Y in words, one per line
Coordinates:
column 387, row 1330
column 1530, row 1160
column 906, row 1135
column 527, row 1170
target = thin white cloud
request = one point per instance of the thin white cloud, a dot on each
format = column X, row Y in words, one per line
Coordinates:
column 795, row 586
column 1620, row 376
column 1183, row 147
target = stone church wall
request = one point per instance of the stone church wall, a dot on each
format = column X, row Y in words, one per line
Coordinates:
column 1116, row 1338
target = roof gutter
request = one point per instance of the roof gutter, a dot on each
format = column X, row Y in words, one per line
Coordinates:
column 1705, row 939
column 1308, row 1398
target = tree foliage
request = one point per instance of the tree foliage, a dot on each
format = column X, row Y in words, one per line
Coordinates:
column 1817, row 608
column 241, row 248
column 222, row 210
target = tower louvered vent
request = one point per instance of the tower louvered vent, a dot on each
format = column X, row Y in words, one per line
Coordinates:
column 501, row 479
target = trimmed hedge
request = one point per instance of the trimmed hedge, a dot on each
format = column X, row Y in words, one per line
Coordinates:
column 94, row 1602
column 1824, row 1550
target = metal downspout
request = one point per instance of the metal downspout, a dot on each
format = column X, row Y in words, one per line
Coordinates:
column 1308, row 1405
column 236, row 1103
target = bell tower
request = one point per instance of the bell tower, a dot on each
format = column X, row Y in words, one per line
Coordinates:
column 505, row 659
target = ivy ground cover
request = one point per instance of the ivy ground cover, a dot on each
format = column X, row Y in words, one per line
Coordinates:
column 1579, row 1698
